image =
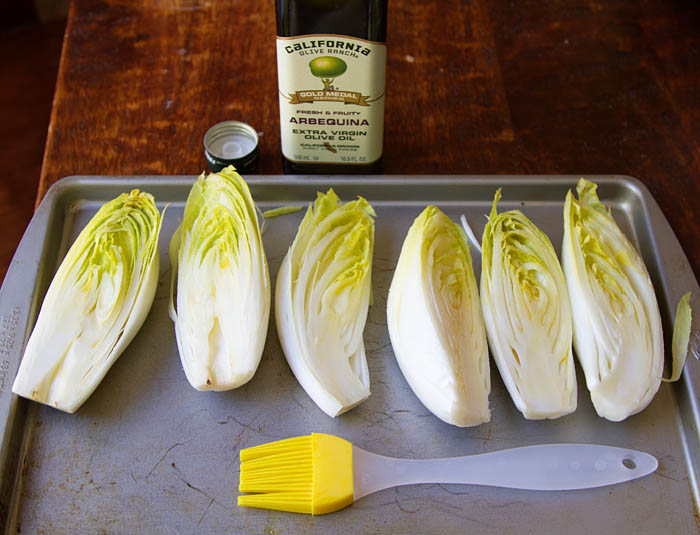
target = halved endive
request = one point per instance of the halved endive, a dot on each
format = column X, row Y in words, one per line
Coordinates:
column 322, row 298
column 617, row 326
column 95, row 305
column 528, row 315
column 223, row 284
column 435, row 321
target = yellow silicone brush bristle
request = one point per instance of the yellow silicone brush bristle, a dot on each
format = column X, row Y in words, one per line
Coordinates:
column 311, row 474
column 281, row 471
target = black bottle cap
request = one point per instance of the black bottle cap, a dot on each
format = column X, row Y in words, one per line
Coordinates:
column 232, row 143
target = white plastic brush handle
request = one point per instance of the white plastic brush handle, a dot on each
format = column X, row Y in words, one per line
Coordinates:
column 544, row 467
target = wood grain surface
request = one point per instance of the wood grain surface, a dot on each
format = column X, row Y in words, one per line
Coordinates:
column 496, row 86
column 25, row 108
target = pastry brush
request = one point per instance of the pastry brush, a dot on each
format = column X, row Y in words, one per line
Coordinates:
column 319, row 473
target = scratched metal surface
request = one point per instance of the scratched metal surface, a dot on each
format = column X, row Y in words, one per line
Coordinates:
column 149, row 454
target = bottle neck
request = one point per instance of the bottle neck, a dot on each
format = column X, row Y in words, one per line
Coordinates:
column 364, row 19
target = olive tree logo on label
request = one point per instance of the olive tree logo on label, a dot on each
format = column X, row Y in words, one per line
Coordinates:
column 328, row 68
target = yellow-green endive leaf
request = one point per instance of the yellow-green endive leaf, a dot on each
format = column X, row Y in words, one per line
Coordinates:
column 282, row 210
column 223, row 284
column 435, row 321
column 681, row 337
column 95, row 305
column 527, row 315
column 322, row 298
column 617, row 326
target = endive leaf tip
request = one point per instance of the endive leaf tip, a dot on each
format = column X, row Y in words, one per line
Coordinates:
column 681, row 337
column 366, row 206
column 228, row 171
column 583, row 186
column 330, row 195
column 588, row 194
column 494, row 209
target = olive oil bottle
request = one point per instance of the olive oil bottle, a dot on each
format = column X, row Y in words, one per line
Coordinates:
column 331, row 64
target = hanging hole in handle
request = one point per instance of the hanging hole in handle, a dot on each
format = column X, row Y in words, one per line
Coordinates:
column 629, row 463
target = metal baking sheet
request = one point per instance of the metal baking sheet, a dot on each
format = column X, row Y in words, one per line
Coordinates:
column 149, row 454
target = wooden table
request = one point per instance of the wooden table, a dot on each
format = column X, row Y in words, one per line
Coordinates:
column 472, row 87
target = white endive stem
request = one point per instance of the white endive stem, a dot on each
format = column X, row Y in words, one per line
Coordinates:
column 321, row 302
column 617, row 325
column 223, row 285
column 435, row 321
column 527, row 315
column 95, row 305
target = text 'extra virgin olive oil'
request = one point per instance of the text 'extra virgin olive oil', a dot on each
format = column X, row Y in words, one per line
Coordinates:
column 331, row 65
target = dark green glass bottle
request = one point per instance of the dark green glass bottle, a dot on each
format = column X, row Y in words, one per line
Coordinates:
column 331, row 59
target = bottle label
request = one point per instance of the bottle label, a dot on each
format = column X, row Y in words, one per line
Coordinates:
column 331, row 91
